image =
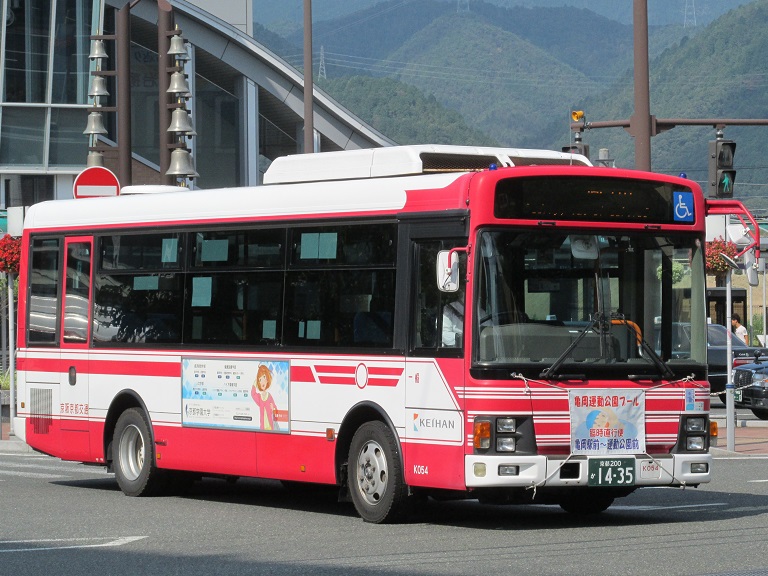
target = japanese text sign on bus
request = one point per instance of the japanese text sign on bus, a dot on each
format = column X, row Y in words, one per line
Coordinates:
column 607, row 422
column 96, row 181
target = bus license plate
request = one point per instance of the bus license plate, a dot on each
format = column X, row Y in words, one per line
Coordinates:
column 611, row 472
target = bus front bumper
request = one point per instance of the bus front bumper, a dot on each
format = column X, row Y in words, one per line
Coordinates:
column 494, row 471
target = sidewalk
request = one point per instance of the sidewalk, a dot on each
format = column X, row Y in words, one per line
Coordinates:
column 751, row 436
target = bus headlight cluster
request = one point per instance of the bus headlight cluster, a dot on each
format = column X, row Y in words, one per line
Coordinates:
column 497, row 433
column 696, row 429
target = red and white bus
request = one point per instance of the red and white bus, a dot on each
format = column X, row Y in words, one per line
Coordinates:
column 399, row 322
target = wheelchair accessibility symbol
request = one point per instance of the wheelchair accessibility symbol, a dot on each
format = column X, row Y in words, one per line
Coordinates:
column 683, row 202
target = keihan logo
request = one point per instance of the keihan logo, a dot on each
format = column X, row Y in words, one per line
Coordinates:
column 415, row 420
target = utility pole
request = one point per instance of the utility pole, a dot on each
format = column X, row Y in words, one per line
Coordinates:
column 309, row 88
column 640, row 122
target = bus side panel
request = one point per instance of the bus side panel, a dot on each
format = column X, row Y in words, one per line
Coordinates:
column 227, row 452
column 435, row 466
column 434, row 423
column 297, row 458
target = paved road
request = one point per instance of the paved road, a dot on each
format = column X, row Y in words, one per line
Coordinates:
column 65, row 519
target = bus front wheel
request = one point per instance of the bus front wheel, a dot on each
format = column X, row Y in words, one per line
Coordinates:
column 376, row 481
column 134, row 455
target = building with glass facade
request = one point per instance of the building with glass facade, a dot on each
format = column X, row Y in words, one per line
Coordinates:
column 246, row 104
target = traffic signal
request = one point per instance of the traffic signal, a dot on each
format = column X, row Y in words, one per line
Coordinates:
column 721, row 173
column 577, row 148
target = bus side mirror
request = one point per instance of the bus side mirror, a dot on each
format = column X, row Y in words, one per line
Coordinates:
column 750, row 267
column 447, row 272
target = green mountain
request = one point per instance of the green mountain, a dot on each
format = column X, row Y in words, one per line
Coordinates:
column 289, row 15
column 508, row 87
column 402, row 112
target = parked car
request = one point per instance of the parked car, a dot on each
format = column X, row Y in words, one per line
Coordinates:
column 717, row 352
column 751, row 388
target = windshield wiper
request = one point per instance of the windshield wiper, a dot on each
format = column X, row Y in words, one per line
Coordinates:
column 664, row 370
column 551, row 372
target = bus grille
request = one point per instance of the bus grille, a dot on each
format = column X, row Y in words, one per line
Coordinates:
column 41, row 408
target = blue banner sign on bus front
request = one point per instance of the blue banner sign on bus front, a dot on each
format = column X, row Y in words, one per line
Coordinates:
column 607, row 421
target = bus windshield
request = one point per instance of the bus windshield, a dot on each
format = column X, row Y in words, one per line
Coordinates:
column 578, row 305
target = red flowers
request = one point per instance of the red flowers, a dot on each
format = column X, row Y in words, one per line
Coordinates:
column 714, row 263
column 10, row 254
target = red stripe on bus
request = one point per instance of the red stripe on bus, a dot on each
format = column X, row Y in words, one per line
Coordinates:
column 163, row 369
column 326, row 369
column 337, row 380
column 302, row 374
column 379, row 371
column 383, row 381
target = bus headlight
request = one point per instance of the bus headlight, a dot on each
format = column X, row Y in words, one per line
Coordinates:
column 697, row 424
column 506, row 425
column 506, row 444
column 694, row 443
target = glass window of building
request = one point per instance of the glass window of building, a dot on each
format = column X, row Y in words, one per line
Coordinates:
column 22, row 137
column 27, row 31
column 68, row 145
column 71, row 45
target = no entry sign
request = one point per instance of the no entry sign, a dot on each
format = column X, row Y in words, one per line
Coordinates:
column 94, row 182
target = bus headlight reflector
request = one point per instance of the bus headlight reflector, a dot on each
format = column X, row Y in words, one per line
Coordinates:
column 694, row 443
column 505, row 444
column 479, row 469
column 699, row 468
column 506, row 425
column 695, row 424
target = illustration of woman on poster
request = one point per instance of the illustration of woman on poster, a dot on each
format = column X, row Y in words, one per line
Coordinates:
column 263, row 399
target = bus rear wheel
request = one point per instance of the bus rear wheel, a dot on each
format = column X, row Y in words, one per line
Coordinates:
column 134, row 456
column 376, row 481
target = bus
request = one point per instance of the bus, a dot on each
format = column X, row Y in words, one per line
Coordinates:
column 401, row 322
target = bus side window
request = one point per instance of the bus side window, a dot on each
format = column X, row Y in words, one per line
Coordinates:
column 439, row 317
column 44, row 280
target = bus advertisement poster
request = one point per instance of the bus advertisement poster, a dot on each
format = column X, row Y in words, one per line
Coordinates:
column 235, row 393
column 605, row 421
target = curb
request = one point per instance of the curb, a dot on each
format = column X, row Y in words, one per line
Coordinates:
column 721, row 422
column 14, row 444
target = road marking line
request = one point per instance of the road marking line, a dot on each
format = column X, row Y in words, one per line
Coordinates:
column 681, row 507
column 110, row 542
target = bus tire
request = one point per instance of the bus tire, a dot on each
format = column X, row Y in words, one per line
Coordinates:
column 761, row 413
column 376, row 482
column 134, row 456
